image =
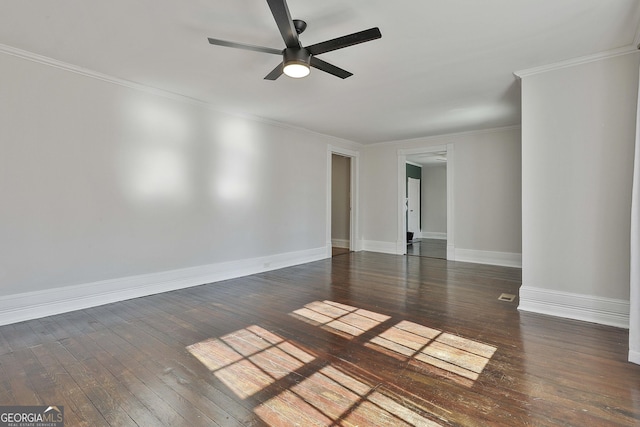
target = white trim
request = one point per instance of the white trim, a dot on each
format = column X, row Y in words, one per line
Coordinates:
column 505, row 259
column 576, row 61
column 401, row 241
column 33, row 305
column 450, row 201
column 340, row 243
column 422, row 150
column 354, row 237
column 433, row 235
column 636, row 39
column 634, row 357
column 381, row 247
column 45, row 60
column 451, row 251
column 354, row 224
column 605, row 311
column 413, row 163
column 634, row 248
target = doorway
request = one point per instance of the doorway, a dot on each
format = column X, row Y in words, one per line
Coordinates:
column 342, row 201
column 426, row 211
column 340, row 204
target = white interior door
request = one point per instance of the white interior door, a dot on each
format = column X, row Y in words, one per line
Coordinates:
column 413, row 205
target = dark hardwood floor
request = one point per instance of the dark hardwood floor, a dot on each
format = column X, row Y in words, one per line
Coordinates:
column 432, row 248
column 361, row 339
column 335, row 251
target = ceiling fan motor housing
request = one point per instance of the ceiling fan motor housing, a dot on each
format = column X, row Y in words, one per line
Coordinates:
column 299, row 25
column 296, row 56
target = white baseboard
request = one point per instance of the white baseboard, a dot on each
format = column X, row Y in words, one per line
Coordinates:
column 433, row 235
column 381, row 247
column 634, row 357
column 505, row 259
column 33, row 305
column 340, row 243
column 605, row 311
column 451, row 252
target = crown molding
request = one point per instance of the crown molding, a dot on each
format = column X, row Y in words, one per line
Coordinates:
column 626, row 50
column 45, row 60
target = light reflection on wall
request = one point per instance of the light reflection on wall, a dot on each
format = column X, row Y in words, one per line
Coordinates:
column 236, row 160
column 155, row 160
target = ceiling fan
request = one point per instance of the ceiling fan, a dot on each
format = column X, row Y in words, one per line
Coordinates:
column 296, row 59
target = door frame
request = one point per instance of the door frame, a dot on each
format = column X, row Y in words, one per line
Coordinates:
column 401, row 242
column 354, row 156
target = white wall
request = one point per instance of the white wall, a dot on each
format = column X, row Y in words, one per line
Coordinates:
column 578, row 128
column 488, row 194
column 101, row 181
column 486, row 190
column 434, row 199
column 340, row 200
column 379, row 194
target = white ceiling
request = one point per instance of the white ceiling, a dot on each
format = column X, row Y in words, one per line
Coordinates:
column 441, row 66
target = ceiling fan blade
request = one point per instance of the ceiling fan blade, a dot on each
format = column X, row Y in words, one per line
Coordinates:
column 281, row 14
column 345, row 41
column 225, row 43
column 329, row 68
column 273, row 75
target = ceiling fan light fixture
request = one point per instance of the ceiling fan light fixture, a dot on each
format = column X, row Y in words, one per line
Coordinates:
column 296, row 63
column 296, row 70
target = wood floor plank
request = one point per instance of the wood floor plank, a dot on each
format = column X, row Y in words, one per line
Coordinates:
column 5, row 347
column 20, row 388
column 140, row 382
column 168, row 379
column 361, row 338
column 99, row 396
column 72, row 395
column 47, row 386
column 143, row 348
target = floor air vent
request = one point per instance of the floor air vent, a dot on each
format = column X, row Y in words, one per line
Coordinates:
column 507, row 297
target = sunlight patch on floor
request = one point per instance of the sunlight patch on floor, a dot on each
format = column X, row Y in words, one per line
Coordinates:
column 254, row 360
column 457, row 358
column 330, row 397
column 250, row 359
column 462, row 357
column 341, row 319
